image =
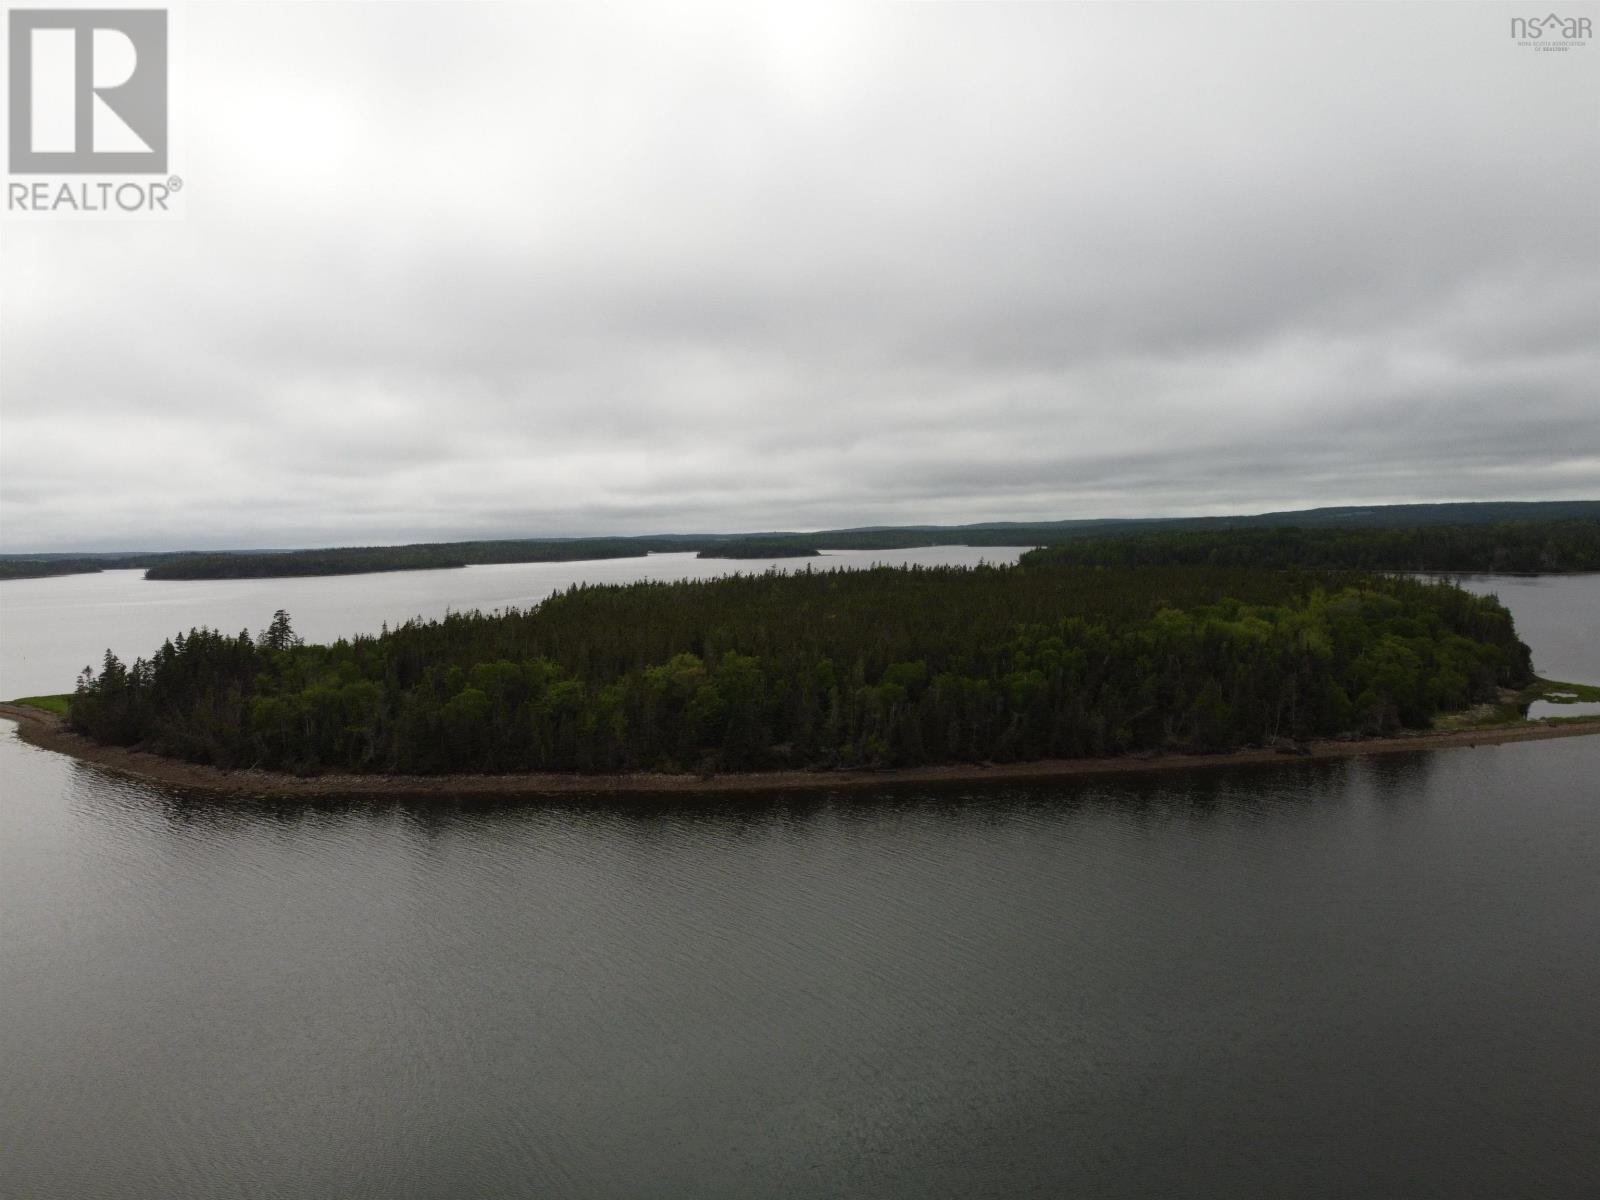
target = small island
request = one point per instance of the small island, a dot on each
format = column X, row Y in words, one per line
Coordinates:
column 422, row 556
column 763, row 548
column 827, row 670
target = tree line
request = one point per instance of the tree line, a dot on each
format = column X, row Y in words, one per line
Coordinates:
column 357, row 560
column 826, row 668
column 760, row 547
column 1510, row 547
column 44, row 568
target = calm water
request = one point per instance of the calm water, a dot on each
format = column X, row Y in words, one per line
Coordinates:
column 1559, row 616
column 1374, row 977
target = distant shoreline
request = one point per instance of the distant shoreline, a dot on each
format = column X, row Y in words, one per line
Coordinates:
column 49, row 732
column 1522, row 537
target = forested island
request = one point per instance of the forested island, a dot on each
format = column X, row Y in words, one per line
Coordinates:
column 756, row 547
column 823, row 669
column 360, row 560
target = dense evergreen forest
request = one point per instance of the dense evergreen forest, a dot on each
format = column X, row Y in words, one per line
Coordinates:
column 827, row 668
column 760, row 547
column 1508, row 547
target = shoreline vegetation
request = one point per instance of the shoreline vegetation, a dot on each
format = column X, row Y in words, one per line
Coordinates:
column 48, row 731
column 1496, row 536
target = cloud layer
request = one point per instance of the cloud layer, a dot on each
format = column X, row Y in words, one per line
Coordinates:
column 484, row 270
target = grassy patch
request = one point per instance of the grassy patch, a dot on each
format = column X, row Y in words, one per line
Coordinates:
column 50, row 704
column 1511, row 707
column 1560, row 693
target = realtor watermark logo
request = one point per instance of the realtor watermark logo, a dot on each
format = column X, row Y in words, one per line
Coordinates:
column 1552, row 32
column 88, row 95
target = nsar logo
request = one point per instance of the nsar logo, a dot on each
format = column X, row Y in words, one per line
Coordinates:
column 1551, row 32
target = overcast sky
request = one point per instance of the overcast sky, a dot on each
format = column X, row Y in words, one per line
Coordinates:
column 472, row 270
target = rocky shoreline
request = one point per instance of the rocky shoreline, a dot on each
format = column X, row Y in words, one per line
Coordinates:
column 49, row 732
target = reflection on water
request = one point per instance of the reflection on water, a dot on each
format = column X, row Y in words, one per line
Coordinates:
column 1313, row 977
column 1157, row 796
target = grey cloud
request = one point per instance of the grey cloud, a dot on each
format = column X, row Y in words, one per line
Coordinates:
column 481, row 270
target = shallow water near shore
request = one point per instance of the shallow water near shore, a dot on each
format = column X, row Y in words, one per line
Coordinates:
column 1369, row 976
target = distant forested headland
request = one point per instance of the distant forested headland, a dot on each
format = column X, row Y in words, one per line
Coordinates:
column 1561, row 549
column 35, row 568
column 822, row 669
column 1516, row 547
column 45, row 566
